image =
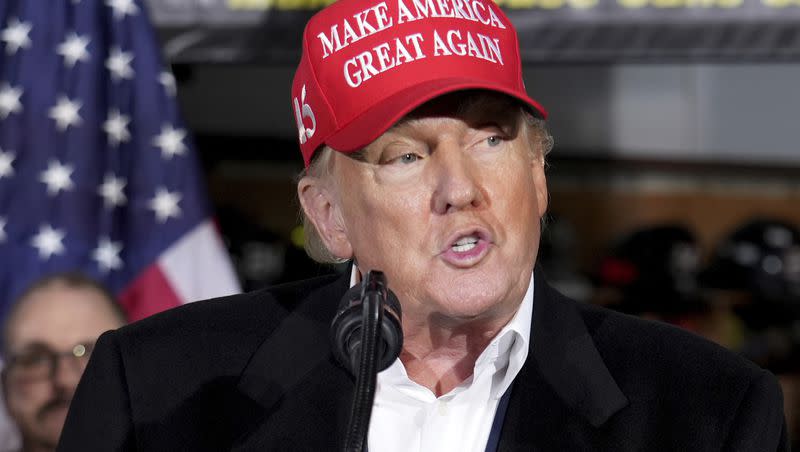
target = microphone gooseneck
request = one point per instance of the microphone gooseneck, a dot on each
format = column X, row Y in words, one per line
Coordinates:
column 366, row 338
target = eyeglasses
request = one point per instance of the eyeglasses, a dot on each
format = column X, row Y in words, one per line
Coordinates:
column 40, row 362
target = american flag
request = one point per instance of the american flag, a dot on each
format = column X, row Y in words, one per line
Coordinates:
column 97, row 170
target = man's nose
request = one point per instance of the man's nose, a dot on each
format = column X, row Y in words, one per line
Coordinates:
column 457, row 180
column 67, row 372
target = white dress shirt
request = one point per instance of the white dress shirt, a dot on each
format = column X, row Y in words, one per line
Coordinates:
column 408, row 417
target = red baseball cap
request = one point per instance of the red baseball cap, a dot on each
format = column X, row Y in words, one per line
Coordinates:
column 367, row 63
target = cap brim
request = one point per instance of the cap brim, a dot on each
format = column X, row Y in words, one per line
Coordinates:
column 376, row 120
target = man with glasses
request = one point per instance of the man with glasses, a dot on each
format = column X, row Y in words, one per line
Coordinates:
column 47, row 340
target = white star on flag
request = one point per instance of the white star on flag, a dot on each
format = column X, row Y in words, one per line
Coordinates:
column 73, row 49
column 111, row 191
column 9, row 100
column 165, row 204
column 107, row 255
column 119, row 64
column 65, row 113
column 167, row 80
column 48, row 241
column 6, row 158
column 122, row 8
column 91, row 139
column 57, row 177
column 16, row 35
column 116, row 126
column 170, row 140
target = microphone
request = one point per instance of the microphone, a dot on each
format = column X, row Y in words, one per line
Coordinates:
column 366, row 338
column 347, row 326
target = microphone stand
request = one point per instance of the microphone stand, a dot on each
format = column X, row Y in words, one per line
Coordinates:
column 365, row 361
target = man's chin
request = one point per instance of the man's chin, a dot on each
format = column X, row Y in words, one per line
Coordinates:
column 472, row 312
column 474, row 297
column 47, row 439
column 52, row 422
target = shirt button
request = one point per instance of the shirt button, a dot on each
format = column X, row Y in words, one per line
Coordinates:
column 443, row 409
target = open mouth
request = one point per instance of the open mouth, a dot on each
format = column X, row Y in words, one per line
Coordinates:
column 467, row 247
column 465, row 244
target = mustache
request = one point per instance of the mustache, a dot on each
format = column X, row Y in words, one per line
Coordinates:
column 57, row 402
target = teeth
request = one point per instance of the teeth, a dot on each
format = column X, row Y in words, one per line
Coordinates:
column 467, row 240
column 465, row 244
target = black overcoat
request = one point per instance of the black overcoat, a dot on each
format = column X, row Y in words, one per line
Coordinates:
column 254, row 372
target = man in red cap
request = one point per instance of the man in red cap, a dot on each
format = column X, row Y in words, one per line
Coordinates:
column 424, row 160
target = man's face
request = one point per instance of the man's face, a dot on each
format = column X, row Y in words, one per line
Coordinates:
column 447, row 203
column 55, row 318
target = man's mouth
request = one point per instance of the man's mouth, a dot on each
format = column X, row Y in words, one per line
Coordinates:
column 54, row 406
column 465, row 244
column 467, row 248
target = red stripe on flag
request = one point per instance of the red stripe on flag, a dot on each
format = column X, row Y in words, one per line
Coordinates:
column 148, row 294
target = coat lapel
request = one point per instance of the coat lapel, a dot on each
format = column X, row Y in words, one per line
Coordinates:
column 305, row 395
column 564, row 392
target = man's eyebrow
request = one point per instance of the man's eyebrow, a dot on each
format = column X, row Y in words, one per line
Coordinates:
column 28, row 346
column 359, row 155
column 38, row 344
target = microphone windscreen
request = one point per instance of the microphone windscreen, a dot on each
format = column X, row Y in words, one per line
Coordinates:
column 346, row 326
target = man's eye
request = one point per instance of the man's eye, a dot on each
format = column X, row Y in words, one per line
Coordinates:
column 494, row 140
column 32, row 359
column 399, row 156
column 408, row 158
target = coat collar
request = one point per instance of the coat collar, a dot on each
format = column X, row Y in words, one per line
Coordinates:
column 564, row 352
column 293, row 376
column 297, row 347
column 565, row 392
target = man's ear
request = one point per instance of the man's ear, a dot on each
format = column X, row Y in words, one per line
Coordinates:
column 540, row 182
column 321, row 207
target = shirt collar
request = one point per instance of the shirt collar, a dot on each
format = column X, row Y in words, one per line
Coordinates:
column 510, row 346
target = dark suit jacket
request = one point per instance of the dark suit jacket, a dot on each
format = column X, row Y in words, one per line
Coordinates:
column 254, row 372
